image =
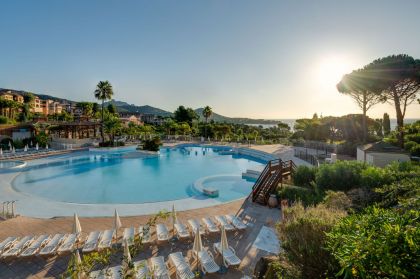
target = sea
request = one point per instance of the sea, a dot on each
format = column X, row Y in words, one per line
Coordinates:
column 291, row 123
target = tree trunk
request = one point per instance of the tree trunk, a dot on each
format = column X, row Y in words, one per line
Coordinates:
column 400, row 121
column 364, row 118
column 102, row 123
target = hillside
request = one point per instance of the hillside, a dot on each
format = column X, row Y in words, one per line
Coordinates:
column 146, row 109
column 237, row 120
column 125, row 107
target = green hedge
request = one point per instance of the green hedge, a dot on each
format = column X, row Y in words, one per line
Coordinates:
column 340, row 176
column 304, row 176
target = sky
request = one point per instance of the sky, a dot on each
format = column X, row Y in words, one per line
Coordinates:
column 259, row 59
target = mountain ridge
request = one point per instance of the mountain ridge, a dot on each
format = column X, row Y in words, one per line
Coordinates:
column 146, row 109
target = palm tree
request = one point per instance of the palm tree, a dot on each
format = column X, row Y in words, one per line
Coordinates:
column 103, row 92
column 207, row 112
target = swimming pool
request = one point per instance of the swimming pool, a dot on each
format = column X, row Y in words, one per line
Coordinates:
column 99, row 178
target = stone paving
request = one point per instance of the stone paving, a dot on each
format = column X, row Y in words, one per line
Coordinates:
column 254, row 215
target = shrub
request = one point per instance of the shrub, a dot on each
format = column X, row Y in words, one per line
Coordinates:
column 404, row 193
column 18, row 144
column 304, row 176
column 413, row 137
column 409, row 144
column 340, row 176
column 3, row 119
column 337, row 200
column 415, row 150
column 380, row 243
column 373, row 177
column 303, row 239
column 42, row 139
column 295, row 194
column 152, row 144
column 362, row 198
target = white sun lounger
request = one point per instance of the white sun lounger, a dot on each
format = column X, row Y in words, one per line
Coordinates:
column 183, row 269
column 106, row 239
column 211, row 226
column 108, row 273
column 91, row 241
column 162, row 232
column 35, row 246
column 194, row 224
column 68, row 243
column 236, row 222
column 207, row 263
column 145, row 234
column 229, row 255
column 52, row 245
column 128, row 235
column 181, row 231
column 223, row 222
column 142, row 269
column 8, row 242
column 18, row 247
column 159, row 268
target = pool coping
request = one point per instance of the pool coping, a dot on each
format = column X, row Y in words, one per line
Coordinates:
column 39, row 207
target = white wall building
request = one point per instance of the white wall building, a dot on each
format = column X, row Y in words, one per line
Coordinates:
column 381, row 154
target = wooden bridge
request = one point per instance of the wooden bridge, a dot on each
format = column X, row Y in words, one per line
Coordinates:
column 273, row 174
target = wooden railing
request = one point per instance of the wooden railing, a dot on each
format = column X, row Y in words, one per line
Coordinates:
column 269, row 178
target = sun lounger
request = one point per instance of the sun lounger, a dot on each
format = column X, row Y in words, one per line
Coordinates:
column 229, row 255
column 108, row 273
column 18, row 247
column 7, row 243
column 210, row 225
column 68, row 243
column 35, row 246
column 236, row 222
column 128, row 235
column 159, row 268
column 207, row 263
column 142, row 269
column 52, row 245
column 181, row 231
column 106, row 239
column 162, row 232
column 223, row 222
column 194, row 224
column 145, row 234
column 183, row 270
column 91, row 241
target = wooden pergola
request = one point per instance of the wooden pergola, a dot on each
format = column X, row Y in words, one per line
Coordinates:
column 75, row 130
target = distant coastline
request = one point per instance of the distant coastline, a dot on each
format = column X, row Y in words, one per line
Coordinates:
column 291, row 122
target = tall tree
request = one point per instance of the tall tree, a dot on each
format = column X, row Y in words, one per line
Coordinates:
column 386, row 124
column 398, row 78
column 207, row 112
column 183, row 114
column 103, row 92
column 360, row 86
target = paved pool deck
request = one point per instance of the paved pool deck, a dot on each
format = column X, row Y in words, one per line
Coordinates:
column 254, row 215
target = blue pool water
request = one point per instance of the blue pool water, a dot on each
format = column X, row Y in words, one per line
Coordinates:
column 96, row 178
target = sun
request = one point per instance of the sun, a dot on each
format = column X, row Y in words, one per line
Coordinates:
column 330, row 70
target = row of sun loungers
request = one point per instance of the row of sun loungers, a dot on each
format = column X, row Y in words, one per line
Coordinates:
column 157, row 268
column 45, row 245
